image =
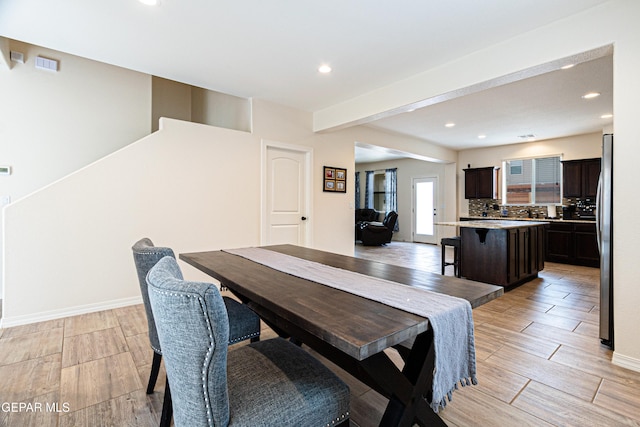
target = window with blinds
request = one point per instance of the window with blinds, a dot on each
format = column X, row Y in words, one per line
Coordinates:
column 532, row 181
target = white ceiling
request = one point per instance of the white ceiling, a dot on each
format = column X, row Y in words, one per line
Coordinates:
column 271, row 50
column 547, row 106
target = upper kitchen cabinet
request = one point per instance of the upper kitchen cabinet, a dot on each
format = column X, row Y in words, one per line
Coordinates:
column 481, row 183
column 580, row 178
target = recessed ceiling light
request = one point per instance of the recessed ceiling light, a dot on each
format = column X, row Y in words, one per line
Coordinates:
column 606, row 116
column 324, row 69
column 450, row 125
column 150, row 2
column 591, row 95
column 566, row 67
column 482, row 136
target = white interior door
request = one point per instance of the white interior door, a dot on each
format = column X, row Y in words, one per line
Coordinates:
column 287, row 190
column 424, row 209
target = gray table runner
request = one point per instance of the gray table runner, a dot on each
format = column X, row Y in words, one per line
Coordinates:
column 450, row 317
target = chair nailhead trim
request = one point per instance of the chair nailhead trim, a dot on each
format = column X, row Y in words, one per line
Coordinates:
column 209, row 350
column 246, row 337
column 340, row 418
column 207, row 360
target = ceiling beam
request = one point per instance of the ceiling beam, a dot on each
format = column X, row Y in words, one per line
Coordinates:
column 520, row 57
column 420, row 91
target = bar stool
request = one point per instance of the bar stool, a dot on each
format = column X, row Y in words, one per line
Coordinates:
column 455, row 243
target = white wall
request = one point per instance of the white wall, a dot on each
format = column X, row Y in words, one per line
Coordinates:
column 626, row 175
column 332, row 218
column 116, row 200
column 52, row 124
column 570, row 148
column 189, row 186
column 68, row 245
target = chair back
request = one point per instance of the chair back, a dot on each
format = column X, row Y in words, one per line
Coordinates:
column 193, row 328
column 390, row 220
column 145, row 256
column 366, row 215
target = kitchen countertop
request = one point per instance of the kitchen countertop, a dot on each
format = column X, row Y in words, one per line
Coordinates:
column 509, row 218
column 492, row 224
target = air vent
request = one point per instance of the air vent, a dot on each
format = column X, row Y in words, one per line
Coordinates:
column 529, row 136
column 17, row 56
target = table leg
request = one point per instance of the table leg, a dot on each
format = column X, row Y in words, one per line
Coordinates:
column 408, row 391
column 418, row 369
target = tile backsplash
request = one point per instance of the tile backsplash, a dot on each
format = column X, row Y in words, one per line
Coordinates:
column 494, row 209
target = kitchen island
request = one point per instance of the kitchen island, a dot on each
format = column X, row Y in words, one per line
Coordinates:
column 504, row 253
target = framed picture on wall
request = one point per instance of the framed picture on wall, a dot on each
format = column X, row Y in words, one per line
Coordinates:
column 334, row 179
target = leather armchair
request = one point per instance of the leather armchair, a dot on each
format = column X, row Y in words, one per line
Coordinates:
column 364, row 216
column 376, row 233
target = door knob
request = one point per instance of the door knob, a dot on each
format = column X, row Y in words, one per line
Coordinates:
column 304, row 218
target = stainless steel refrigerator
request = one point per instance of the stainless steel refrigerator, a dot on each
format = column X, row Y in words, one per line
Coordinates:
column 604, row 223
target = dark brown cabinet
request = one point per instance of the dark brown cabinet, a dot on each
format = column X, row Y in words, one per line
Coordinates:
column 586, row 245
column 572, row 243
column 559, row 242
column 580, row 178
column 481, row 183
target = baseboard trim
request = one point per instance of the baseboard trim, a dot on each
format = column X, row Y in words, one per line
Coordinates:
column 626, row 361
column 8, row 322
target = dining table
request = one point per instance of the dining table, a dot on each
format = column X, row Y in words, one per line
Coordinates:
column 350, row 330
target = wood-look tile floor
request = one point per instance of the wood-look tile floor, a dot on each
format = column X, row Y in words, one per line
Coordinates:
column 540, row 362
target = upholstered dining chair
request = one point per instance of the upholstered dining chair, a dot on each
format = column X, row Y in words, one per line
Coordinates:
column 245, row 324
column 271, row 382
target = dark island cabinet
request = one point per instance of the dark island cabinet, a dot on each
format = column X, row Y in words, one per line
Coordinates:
column 504, row 257
column 580, row 178
column 518, row 261
column 572, row 243
column 481, row 183
column 526, row 254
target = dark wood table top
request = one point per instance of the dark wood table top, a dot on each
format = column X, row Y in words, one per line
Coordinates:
column 357, row 326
